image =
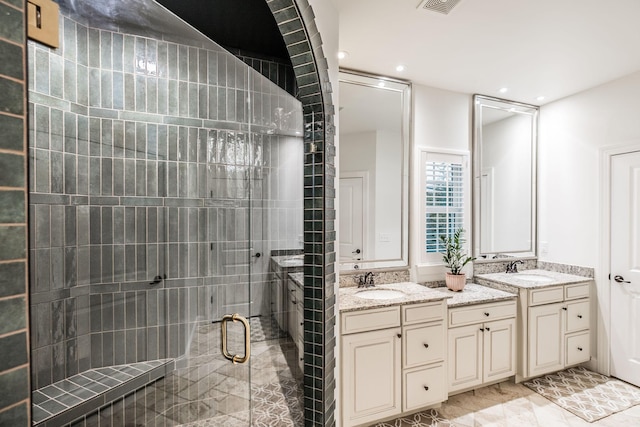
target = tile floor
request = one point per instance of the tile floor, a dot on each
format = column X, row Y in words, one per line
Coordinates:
column 210, row 391
column 507, row 405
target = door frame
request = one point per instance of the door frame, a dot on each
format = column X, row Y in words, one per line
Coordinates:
column 602, row 363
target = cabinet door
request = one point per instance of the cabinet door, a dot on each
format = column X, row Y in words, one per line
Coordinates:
column 499, row 349
column 371, row 376
column 465, row 357
column 292, row 310
column 546, row 339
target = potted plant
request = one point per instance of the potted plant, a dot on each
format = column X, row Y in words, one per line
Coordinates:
column 455, row 259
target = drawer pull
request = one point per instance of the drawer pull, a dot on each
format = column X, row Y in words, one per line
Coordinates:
column 486, row 314
column 426, row 345
column 426, row 388
column 579, row 316
column 399, row 335
column 294, row 302
column 579, row 348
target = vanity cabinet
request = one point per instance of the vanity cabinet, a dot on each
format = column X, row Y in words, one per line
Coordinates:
column 295, row 320
column 482, row 344
column 558, row 328
column 392, row 361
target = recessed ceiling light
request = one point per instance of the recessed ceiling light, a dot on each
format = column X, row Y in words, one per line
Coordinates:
column 540, row 98
column 401, row 68
column 381, row 84
column 343, row 54
column 503, row 90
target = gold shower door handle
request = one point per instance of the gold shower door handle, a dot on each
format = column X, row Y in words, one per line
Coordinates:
column 247, row 338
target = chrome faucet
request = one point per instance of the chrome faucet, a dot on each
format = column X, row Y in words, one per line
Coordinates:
column 512, row 267
column 366, row 280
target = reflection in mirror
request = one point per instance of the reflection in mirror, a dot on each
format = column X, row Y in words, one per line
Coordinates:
column 505, row 178
column 374, row 126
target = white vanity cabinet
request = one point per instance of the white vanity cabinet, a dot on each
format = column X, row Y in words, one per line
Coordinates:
column 558, row 328
column 392, row 361
column 482, row 344
column 295, row 317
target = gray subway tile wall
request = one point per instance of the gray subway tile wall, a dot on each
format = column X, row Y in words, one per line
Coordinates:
column 15, row 406
column 12, row 32
column 121, row 193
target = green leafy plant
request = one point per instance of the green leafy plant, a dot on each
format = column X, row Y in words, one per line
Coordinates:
column 453, row 256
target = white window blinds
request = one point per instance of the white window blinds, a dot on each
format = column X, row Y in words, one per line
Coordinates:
column 443, row 198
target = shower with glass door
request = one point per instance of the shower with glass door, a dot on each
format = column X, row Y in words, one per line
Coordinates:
column 164, row 174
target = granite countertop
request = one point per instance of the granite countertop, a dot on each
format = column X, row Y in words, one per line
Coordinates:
column 414, row 293
column 288, row 261
column 475, row 294
column 297, row 277
column 512, row 279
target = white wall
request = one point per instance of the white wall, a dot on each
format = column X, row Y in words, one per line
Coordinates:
column 441, row 120
column 571, row 132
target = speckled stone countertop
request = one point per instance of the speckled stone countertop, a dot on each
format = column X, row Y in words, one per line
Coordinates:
column 414, row 293
column 475, row 294
column 288, row 261
column 512, row 279
column 298, row 278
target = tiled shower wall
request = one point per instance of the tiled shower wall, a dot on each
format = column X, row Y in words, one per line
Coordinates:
column 145, row 160
column 14, row 350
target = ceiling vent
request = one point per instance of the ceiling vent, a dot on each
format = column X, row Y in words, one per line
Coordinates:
column 440, row 6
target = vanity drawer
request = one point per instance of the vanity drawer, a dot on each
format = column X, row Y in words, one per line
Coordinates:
column 577, row 348
column 423, row 344
column 423, row 387
column 417, row 313
column 546, row 295
column 481, row 313
column 370, row 320
column 580, row 290
column 577, row 316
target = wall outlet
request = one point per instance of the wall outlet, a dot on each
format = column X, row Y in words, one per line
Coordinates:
column 544, row 248
column 384, row 237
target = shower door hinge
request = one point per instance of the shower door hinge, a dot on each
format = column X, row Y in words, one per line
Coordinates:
column 42, row 22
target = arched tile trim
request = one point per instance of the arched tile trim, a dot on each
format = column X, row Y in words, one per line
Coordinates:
column 296, row 21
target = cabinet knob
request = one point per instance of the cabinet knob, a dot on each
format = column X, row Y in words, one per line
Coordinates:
column 482, row 329
column 399, row 335
column 487, row 329
column 579, row 316
column 564, row 308
column 579, row 348
column 486, row 314
column 426, row 388
column 426, row 345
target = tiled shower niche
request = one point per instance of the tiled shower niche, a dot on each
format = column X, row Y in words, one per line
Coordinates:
column 157, row 169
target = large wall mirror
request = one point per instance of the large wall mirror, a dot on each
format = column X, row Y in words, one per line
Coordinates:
column 373, row 169
column 504, row 179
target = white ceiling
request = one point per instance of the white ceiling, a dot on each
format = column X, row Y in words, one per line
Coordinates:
column 553, row 48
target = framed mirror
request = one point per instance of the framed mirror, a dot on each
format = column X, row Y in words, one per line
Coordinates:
column 505, row 136
column 373, row 169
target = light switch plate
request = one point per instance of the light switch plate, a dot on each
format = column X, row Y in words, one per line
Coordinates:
column 42, row 19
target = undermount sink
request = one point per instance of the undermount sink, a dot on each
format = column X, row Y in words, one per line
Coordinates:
column 380, row 294
column 536, row 278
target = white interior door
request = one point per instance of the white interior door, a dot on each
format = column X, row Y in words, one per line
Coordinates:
column 352, row 220
column 625, row 267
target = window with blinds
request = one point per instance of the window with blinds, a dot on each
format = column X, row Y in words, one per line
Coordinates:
column 444, row 198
